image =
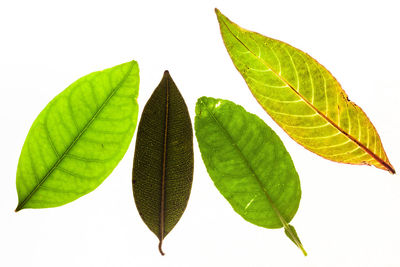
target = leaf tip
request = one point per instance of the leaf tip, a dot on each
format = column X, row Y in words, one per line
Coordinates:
column 219, row 14
column 392, row 170
column 166, row 76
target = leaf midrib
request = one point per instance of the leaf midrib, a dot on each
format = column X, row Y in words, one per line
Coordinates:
column 372, row 154
column 76, row 139
column 162, row 209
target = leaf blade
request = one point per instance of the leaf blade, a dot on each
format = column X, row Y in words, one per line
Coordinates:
column 303, row 98
column 248, row 164
column 55, row 150
column 163, row 163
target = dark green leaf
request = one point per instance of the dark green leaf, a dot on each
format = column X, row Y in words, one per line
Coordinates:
column 79, row 138
column 163, row 163
column 248, row 164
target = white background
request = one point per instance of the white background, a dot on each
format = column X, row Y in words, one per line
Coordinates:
column 348, row 215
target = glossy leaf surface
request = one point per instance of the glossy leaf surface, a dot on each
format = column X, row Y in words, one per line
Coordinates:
column 248, row 164
column 79, row 138
column 163, row 162
column 303, row 98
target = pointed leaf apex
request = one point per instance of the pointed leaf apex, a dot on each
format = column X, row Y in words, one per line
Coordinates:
column 218, row 13
column 222, row 19
column 19, row 207
column 392, row 170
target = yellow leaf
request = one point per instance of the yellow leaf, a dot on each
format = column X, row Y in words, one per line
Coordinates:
column 303, row 98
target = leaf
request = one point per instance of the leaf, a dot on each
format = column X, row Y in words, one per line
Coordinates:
column 163, row 163
column 248, row 164
column 303, row 98
column 79, row 138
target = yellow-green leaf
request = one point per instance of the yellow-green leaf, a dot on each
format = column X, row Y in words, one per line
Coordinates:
column 78, row 138
column 303, row 98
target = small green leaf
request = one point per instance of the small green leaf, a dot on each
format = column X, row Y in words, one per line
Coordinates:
column 163, row 164
column 248, row 164
column 79, row 138
column 304, row 98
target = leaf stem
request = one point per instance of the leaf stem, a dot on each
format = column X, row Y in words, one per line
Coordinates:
column 160, row 248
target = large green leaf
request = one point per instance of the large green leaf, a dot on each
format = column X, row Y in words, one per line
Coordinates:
column 79, row 138
column 163, row 163
column 303, row 98
column 248, row 164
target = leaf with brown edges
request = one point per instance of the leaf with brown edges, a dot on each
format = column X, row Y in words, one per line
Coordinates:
column 303, row 98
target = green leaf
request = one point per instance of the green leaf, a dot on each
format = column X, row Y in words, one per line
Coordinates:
column 79, row 138
column 248, row 164
column 163, row 164
column 303, row 98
